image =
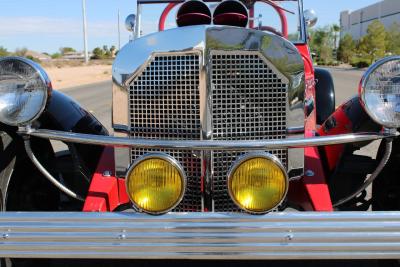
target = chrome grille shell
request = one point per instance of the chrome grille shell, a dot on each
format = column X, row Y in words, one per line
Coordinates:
column 283, row 67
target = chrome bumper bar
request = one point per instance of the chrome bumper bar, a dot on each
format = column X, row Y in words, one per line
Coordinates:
column 205, row 145
column 353, row 235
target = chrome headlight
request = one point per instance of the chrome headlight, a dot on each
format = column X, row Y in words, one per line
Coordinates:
column 380, row 92
column 24, row 88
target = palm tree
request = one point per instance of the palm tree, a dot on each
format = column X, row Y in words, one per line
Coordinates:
column 336, row 30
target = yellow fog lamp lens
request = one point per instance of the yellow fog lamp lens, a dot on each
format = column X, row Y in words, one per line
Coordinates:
column 155, row 183
column 258, row 183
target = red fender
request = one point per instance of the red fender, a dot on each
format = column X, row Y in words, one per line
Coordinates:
column 106, row 192
column 314, row 182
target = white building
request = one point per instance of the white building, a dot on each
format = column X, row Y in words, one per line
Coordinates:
column 356, row 22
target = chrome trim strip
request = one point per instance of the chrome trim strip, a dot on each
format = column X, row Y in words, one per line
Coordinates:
column 120, row 128
column 206, row 134
column 295, row 130
column 209, row 145
column 302, row 235
column 47, row 175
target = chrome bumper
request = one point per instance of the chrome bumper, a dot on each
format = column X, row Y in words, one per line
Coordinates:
column 205, row 145
column 352, row 235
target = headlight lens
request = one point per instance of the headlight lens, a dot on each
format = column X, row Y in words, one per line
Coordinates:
column 380, row 92
column 155, row 183
column 258, row 183
column 24, row 88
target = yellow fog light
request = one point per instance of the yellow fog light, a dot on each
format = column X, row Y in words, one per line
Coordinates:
column 258, row 183
column 155, row 183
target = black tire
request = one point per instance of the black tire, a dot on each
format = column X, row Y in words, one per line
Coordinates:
column 325, row 95
column 22, row 187
column 348, row 177
column 7, row 164
column 386, row 187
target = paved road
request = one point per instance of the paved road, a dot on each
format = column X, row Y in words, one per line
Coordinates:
column 346, row 83
column 97, row 97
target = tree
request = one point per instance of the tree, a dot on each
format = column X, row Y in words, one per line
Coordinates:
column 3, row 52
column 347, row 48
column 335, row 29
column 373, row 45
column 98, row 53
column 104, row 53
column 393, row 39
column 113, row 50
column 322, row 44
column 55, row 55
column 65, row 50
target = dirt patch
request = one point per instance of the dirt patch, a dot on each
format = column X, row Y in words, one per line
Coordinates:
column 67, row 76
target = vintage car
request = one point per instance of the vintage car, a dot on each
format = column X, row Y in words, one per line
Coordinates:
column 226, row 144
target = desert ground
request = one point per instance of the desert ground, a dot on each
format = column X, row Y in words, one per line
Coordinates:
column 72, row 76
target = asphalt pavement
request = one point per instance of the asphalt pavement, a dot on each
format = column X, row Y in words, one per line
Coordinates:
column 96, row 98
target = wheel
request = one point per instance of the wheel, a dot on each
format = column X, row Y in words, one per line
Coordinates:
column 348, row 177
column 7, row 163
column 386, row 187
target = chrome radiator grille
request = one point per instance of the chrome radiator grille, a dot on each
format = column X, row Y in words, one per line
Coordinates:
column 248, row 103
column 164, row 104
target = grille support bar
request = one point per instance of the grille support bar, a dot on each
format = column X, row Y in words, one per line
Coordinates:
column 207, row 171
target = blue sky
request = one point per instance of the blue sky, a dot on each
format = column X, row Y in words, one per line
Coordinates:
column 46, row 25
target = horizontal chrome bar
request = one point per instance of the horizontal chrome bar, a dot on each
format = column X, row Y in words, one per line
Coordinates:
column 205, row 144
column 290, row 131
column 336, row 235
column 295, row 130
column 120, row 128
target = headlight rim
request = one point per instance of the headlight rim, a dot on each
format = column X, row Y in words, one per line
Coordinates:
column 363, row 82
column 249, row 156
column 174, row 163
column 45, row 80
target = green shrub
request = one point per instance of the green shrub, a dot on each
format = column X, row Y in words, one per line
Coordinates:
column 3, row 52
column 33, row 59
column 56, row 55
column 360, row 62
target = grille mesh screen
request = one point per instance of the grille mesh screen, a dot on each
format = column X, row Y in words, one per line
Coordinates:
column 164, row 104
column 248, row 103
